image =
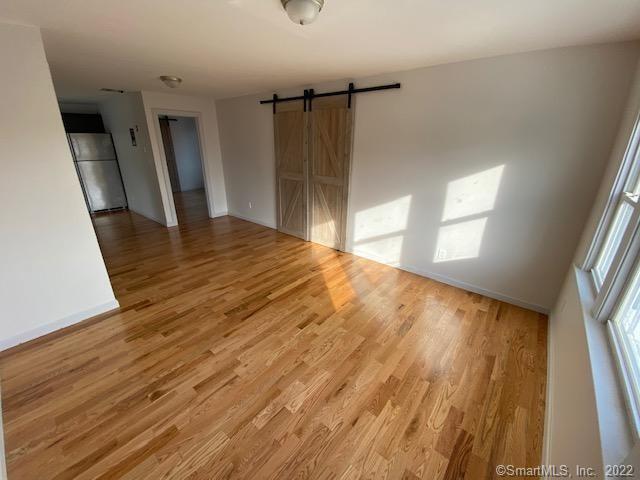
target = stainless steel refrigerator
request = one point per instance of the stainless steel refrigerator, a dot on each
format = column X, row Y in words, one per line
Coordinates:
column 97, row 165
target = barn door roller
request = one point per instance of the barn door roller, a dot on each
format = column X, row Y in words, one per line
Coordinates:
column 309, row 95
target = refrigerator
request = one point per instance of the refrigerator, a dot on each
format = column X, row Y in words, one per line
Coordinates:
column 97, row 165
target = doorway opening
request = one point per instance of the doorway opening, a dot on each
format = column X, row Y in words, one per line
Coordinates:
column 183, row 154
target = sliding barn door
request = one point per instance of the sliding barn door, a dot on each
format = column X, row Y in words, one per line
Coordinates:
column 291, row 169
column 329, row 163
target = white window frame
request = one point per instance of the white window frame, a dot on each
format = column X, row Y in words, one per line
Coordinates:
column 626, row 363
column 619, row 184
column 610, row 290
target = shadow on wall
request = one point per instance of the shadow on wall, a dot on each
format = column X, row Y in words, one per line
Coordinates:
column 467, row 204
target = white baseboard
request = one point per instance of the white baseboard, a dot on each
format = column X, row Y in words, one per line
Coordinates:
column 455, row 283
column 252, row 220
column 58, row 324
column 423, row 273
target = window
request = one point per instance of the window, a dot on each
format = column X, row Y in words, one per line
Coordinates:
column 613, row 240
column 614, row 264
column 624, row 328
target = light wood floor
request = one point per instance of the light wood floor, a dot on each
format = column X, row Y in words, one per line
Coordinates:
column 240, row 352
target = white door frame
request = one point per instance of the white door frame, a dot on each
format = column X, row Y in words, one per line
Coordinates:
column 167, row 192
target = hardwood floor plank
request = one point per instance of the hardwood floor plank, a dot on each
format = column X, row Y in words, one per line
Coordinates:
column 241, row 352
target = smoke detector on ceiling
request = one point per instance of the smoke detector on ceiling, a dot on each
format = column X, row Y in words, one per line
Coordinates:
column 171, row 81
column 303, row 12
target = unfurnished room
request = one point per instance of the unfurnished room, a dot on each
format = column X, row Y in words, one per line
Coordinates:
column 325, row 239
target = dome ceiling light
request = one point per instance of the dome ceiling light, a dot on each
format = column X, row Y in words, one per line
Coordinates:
column 303, row 12
column 171, row 81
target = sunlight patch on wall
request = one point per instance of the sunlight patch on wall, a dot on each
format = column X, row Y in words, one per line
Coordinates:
column 466, row 198
column 384, row 219
column 460, row 240
column 387, row 250
column 473, row 194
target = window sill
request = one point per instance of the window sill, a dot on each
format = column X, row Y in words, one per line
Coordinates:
column 616, row 435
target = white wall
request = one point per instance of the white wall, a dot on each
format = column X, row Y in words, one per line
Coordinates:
column 246, row 140
column 533, row 130
column 186, row 146
column 52, row 273
column 120, row 112
column 586, row 419
column 204, row 110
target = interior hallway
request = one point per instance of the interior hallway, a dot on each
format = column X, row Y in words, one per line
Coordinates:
column 242, row 352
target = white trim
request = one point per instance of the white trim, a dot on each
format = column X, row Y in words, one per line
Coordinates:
column 614, row 430
column 162, row 170
column 58, row 324
column 623, row 368
column 617, row 188
column 610, row 291
column 455, row 283
column 253, row 220
column 424, row 273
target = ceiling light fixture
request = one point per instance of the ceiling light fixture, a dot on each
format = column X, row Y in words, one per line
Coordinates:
column 171, row 81
column 303, row 12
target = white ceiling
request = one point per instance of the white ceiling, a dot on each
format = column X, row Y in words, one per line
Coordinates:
column 225, row 48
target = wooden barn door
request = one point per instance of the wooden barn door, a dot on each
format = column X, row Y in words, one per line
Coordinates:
column 329, row 164
column 291, row 169
column 313, row 154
